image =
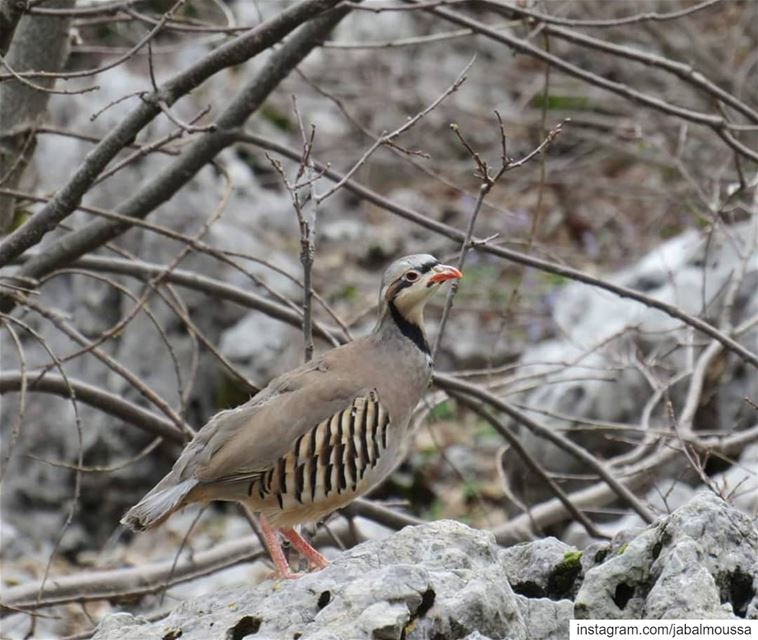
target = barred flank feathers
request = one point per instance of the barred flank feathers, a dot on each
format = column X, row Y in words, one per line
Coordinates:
column 157, row 505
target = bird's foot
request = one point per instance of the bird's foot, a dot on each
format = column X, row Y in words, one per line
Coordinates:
column 282, row 569
column 314, row 558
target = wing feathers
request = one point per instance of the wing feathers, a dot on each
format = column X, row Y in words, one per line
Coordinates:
column 332, row 457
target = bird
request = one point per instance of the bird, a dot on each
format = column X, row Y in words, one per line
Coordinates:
column 319, row 436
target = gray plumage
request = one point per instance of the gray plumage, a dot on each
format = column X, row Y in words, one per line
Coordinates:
column 319, row 436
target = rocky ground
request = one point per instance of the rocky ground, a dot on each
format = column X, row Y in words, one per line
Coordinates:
column 445, row 580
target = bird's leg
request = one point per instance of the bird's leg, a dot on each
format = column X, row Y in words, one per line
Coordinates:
column 315, row 559
column 283, row 570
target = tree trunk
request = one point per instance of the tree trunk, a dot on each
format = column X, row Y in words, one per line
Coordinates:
column 23, row 107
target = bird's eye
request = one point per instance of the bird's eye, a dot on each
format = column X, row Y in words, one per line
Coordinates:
column 411, row 276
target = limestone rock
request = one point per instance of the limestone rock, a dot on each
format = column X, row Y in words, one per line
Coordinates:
column 543, row 568
column 445, row 580
column 602, row 335
column 437, row 580
column 699, row 562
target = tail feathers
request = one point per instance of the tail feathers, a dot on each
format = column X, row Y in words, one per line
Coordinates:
column 157, row 505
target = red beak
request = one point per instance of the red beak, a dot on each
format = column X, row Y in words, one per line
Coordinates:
column 444, row 272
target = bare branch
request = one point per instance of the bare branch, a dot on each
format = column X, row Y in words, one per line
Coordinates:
column 116, row 405
column 649, row 16
column 714, row 122
column 232, row 53
column 487, row 182
column 455, row 384
column 515, row 256
column 387, row 138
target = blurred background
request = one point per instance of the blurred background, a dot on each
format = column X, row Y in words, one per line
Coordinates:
column 639, row 125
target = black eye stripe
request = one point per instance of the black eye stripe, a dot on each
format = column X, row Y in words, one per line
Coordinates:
column 401, row 284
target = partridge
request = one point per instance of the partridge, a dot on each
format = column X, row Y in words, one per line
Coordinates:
column 317, row 437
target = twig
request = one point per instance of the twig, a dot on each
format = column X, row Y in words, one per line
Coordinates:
column 19, row 419
column 111, row 403
column 388, row 138
column 400, row 42
column 179, row 550
column 145, row 451
column 96, row 10
column 145, row 149
column 186, row 127
column 451, row 383
column 305, row 206
column 487, row 182
column 153, row 146
column 230, row 54
column 649, row 16
column 515, row 443
column 374, row 7
column 21, row 77
column 514, row 256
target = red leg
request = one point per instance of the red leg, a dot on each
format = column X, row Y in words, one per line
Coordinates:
column 275, row 550
column 315, row 559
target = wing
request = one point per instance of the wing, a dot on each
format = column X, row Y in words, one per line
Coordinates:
column 252, row 442
column 329, row 458
column 251, row 438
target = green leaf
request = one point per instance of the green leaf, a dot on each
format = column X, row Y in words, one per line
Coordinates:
column 19, row 217
column 442, row 411
column 277, row 118
column 564, row 103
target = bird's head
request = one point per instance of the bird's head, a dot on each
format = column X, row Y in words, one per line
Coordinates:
column 410, row 281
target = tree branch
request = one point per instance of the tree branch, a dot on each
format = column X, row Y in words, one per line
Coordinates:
column 201, row 152
column 211, row 286
column 514, row 256
column 454, row 384
column 715, row 122
column 115, row 405
column 237, row 51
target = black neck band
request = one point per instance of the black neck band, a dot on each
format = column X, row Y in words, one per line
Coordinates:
column 409, row 330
